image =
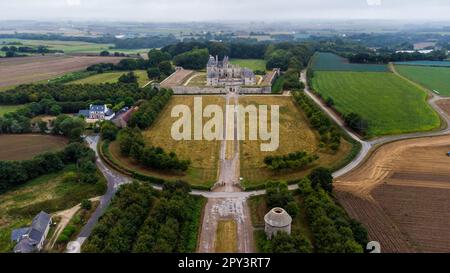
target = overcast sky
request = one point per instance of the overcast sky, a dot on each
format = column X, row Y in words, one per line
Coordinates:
column 209, row 10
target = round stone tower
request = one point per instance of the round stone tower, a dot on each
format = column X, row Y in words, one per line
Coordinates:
column 277, row 220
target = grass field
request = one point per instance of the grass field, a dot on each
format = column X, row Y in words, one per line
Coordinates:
column 253, row 64
column 70, row 47
column 332, row 62
column 48, row 193
column 204, row 155
column 390, row 104
column 198, row 79
column 226, row 237
column 21, row 147
column 295, row 135
column 433, row 78
column 8, row 108
column 112, row 77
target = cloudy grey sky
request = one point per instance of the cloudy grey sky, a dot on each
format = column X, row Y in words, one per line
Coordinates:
column 206, row 10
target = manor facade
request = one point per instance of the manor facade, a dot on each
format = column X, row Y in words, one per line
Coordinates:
column 223, row 73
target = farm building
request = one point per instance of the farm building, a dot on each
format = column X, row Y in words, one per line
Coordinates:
column 31, row 239
column 97, row 112
column 277, row 220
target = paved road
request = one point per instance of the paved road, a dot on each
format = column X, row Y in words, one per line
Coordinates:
column 114, row 181
column 227, row 201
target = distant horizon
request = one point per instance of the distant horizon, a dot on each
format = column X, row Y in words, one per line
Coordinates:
column 219, row 10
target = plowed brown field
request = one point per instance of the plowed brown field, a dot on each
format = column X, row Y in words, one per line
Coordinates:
column 15, row 71
column 402, row 195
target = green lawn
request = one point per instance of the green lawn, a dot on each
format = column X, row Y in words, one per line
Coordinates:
column 8, row 108
column 433, row 78
column 112, row 77
column 253, row 64
column 48, row 193
column 390, row 104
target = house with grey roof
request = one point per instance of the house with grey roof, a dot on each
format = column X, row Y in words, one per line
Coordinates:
column 31, row 239
column 97, row 112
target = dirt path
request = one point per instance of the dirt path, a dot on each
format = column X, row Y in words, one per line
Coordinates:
column 65, row 217
column 226, row 208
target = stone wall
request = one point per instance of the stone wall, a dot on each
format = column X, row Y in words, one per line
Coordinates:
column 186, row 90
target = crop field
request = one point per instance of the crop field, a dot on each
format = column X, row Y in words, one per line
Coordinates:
column 390, row 104
column 204, row 155
column 48, row 193
column 436, row 79
column 333, row 62
column 71, row 47
column 15, row 71
column 20, row 147
column 295, row 135
column 253, row 64
column 426, row 63
column 112, row 77
column 402, row 195
column 8, row 108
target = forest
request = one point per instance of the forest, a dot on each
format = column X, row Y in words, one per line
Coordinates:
column 143, row 220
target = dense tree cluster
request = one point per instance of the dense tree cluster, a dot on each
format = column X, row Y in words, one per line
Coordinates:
column 77, row 94
column 288, row 56
column 279, row 196
column 220, row 49
column 149, row 110
column 127, row 43
column 292, row 161
column 70, row 127
column 355, row 122
column 372, row 58
column 127, row 226
column 129, row 77
column 332, row 229
column 194, row 59
column 322, row 177
column 329, row 133
column 15, row 173
column 284, row 243
column 19, row 122
column 132, row 144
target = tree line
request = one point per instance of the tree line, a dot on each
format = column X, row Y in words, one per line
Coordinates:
column 15, row 173
column 142, row 220
column 77, row 94
column 374, row 58
column 330, row 136
column 291, row 161
column 333, row 230
column 132, row 145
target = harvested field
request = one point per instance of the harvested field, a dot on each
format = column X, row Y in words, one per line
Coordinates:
column 16, row 71
column 21, row 147
column 402, row 195
column 295, row 135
